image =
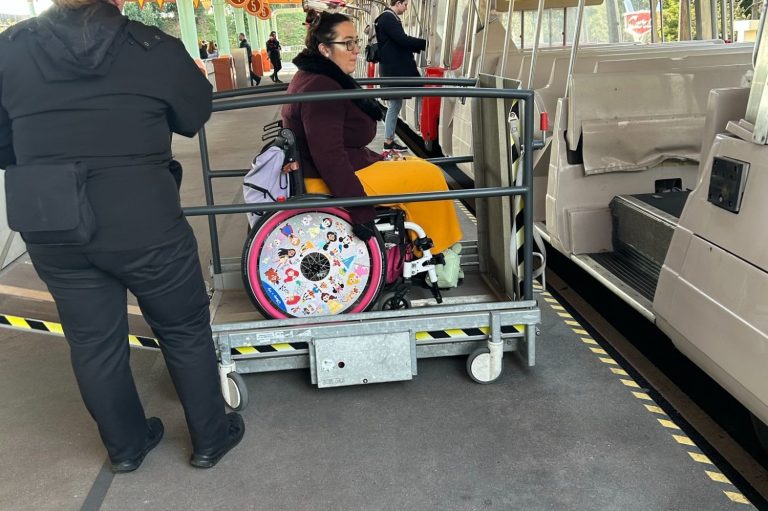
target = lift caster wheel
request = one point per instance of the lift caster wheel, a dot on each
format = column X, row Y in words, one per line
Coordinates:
column 395, row 302
column 479, row 366
column 238, row 392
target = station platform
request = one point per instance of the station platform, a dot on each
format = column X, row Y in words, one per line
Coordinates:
column 574, row 432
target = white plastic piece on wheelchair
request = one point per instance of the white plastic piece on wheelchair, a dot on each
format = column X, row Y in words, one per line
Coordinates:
column 420, row 265
column 415, row 228
column 314, row 265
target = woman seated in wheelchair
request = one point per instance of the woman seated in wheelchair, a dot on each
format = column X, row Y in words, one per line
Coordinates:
column 332, row 136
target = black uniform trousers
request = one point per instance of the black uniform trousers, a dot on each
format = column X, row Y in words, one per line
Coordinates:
column 90, row 293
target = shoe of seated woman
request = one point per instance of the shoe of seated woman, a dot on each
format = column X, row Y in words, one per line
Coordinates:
column 449, row 275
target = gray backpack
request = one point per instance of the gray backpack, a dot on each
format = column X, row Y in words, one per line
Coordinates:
column 275, row 174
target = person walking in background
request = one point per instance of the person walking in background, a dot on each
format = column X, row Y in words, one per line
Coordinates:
column 273, row 50
column 396, row 50
column 249, row 53
column 213, row 50
column 115, row 223
column 332, row 138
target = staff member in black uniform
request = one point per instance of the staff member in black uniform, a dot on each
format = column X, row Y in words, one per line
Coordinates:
column 86, row 92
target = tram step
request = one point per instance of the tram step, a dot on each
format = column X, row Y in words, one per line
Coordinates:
column 643, row 224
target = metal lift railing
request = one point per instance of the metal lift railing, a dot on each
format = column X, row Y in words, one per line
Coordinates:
column 382, row 346
column 528, row 146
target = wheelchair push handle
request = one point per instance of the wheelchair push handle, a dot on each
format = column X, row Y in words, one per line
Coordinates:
column 286, row 140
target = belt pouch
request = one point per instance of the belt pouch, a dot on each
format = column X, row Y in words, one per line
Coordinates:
column 48, row 204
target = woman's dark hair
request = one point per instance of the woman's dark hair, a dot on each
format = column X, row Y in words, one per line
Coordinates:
column 323, row 30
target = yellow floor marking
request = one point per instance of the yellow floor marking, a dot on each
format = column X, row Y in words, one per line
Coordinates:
column 549, row 300
column 681, row 439
column 572, row 323
column 700, row 458
column 546, row 293
column 54, row 327
column 133, row 340
column 669, row 425
column 247, row 350
column 598, row 351
column 607, row 360
column 654, row 409
column 718, row 477
column 736, row 497
column 580, row 331
column 642, row 395
column 565, row 315
column 587, row 340
column 620, row 372
column 558, row 307
column 630, row 383
column 17, row 321
column 45, row 296
column 283, row 347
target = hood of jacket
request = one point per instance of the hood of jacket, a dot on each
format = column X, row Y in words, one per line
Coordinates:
column 78, row 43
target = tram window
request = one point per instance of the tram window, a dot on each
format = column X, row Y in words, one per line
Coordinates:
column 435, row 45
column 464, row 16
column 597, row 27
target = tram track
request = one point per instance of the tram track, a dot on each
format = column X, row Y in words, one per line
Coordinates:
column 717, row 422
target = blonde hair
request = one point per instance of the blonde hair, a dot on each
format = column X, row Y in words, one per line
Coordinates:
column 74, row 4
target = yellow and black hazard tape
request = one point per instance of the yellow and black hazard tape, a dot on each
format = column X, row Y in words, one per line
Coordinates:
column 138, row 341
column 649, row 404
column 460, row 333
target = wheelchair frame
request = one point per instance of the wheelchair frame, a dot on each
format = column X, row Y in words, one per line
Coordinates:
column 373, row 347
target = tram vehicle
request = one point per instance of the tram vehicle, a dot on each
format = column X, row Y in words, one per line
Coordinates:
column 654, row 167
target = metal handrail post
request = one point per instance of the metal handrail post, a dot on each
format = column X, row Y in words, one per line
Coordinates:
column 528, row 197
column 208, row 187
column 485, row 35
column 575, row 47
column 539, row 18
column 505, row 52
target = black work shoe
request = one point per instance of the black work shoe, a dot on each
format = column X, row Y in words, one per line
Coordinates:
column 234, row 435
column 394, row 146
column 155, row 432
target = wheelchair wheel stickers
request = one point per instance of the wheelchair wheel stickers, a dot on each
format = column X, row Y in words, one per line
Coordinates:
column 307, row 262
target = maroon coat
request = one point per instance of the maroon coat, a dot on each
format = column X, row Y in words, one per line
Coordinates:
column 332, row 138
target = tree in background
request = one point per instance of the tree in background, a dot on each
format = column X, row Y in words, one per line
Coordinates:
column 167, row 20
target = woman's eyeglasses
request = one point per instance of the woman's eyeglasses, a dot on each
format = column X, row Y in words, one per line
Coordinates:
column 349, row 45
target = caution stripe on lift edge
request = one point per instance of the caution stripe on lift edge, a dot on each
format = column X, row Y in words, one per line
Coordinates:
column 139, row 341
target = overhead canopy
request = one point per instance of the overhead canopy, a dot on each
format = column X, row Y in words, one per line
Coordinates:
column 532, row 5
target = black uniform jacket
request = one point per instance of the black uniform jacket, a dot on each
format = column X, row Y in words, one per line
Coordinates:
column 396, row 48
column 89, row 85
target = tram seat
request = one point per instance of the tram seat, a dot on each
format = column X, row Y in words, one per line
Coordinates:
column 724, row 105
column 627, row 121
column 675, row 62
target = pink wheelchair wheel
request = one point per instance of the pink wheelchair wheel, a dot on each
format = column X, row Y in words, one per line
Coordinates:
column 308, row 262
